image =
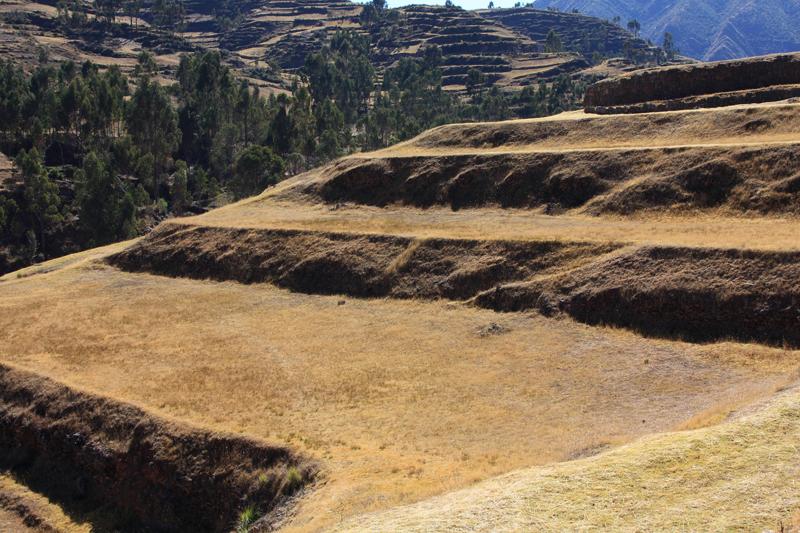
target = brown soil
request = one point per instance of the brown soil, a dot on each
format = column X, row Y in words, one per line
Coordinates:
column 92, row 453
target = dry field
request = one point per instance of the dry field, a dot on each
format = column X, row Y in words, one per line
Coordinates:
column 401, row 400
column 436, row 411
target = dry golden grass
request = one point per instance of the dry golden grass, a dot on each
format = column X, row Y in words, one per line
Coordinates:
column 20, row 508
column 700, row 230
column 777, row 123
column 740, row 476
column 409, row 403
column 400, row 400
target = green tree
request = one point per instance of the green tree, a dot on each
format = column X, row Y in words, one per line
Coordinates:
column 255, row 169
column 107, row 9
column 475, row 81
column 107, row 209
column 146, row 65
column 208, row 94
column 42, row 201
column 634, row 27
column 670, row 51
column 7, row 208
column 169, row 14
column 14, row 99
column 553, row 43
column 180, row 188
column 132, row 10
column 153, row 127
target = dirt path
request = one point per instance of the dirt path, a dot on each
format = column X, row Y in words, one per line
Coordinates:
column 414, row 151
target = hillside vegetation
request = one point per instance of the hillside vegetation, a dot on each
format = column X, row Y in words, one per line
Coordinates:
column 418, row 292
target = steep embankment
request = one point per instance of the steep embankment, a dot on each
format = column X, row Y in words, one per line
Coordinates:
column 695, row 294
column 738, row 160
column 90, row 453
column 752, row 80
column 356, row 265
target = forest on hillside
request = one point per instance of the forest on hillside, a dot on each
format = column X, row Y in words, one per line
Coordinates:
column 102, row 156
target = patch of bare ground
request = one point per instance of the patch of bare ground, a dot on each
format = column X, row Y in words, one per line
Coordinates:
column 6, row 168
column 398, row 400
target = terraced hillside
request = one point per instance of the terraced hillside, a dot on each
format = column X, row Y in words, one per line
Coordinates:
column 578, row 32
column 259, row 36
column 536, row 324
column 753, row 80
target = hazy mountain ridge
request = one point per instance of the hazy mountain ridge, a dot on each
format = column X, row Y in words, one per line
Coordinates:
column 706, row 29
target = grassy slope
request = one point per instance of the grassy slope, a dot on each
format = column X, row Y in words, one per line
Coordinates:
column 741, row 475
column 400, row 400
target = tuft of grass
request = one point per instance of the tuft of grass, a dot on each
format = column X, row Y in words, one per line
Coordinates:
column 294, row 479
column 247, row 518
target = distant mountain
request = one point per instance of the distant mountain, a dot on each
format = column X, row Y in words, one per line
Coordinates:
column 704, row 29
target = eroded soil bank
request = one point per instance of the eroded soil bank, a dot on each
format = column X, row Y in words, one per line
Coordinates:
column 738, row 179
column 95, row 455
column 674, row 292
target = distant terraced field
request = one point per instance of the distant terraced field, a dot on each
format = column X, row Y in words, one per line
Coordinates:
column 282, row 33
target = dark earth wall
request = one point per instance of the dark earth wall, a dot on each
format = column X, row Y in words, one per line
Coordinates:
column 683, row 81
